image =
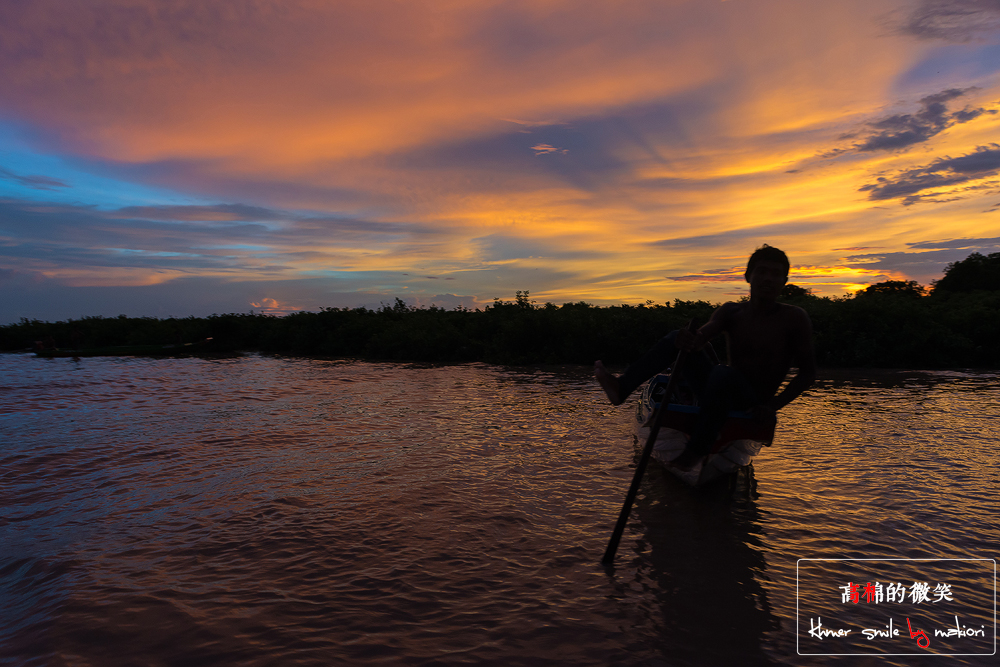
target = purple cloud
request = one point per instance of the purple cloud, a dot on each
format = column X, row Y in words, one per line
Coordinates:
column 953, row 20
column 36, row 182
column 903, row 130
column 941, row 173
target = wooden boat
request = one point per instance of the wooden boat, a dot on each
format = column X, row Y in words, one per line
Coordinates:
column 741, row 438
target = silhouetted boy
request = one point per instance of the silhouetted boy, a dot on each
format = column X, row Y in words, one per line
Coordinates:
column 766, row 339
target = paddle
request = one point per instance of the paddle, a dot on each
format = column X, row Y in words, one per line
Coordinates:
column 640, row 468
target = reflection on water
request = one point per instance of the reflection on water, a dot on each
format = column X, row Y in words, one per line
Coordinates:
column 700, row 562
column 276, row 511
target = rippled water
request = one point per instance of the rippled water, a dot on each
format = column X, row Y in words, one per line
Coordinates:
column 264, row 511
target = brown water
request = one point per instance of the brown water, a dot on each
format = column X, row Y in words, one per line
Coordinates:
column 267, row 511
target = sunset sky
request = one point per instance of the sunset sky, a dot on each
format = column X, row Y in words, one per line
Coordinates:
column 178, row 158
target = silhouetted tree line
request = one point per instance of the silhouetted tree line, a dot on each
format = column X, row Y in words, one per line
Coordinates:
column 897, row 324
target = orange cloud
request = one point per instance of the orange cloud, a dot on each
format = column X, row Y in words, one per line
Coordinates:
column 269, row 306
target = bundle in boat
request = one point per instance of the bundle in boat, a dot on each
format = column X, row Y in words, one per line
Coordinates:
column 740, row 439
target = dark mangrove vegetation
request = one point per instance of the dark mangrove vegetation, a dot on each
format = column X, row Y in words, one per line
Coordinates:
column 894, row 324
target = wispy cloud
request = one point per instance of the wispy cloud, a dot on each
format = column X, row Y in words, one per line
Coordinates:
column 728, row 275
column 545, row 149
column 218, row 212
column 36, row 182
column 152, row 244
column 942, row 177
column 980, row 244
column 953, row 20
column 904, row 130
column 758, row 234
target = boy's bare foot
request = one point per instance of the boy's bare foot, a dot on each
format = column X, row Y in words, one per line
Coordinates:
column 608, row 382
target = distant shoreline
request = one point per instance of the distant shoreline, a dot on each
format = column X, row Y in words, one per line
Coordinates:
column 835, row 373
column 889, row 329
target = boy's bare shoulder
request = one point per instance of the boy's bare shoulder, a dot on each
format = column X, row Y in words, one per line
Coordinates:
column 724, row 314
column 730, row 311
column 795, row 312
column 796, row 319
column 728, row 308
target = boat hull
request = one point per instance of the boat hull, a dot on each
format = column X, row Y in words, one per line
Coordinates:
column 740, row 440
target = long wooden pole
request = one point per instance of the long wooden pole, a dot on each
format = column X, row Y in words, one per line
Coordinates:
column 640, row 468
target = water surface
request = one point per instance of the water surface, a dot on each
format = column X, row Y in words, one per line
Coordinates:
column 267, row 511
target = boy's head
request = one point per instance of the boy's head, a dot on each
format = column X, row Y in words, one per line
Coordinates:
column 766, row 253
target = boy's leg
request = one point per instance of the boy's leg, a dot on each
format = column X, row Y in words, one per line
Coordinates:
column 654, row 361
column 609, row 383
column 695, row 369
column 649, row 364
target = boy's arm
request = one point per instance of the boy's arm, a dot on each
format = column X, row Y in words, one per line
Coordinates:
column 805, row 360
column 715, row 325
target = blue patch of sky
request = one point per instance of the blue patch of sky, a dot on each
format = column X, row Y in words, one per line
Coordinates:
column 368, row 281
column 20, row 162
column 353, row 275
column 241, row 246
column 953, row 65
column 147, row 253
